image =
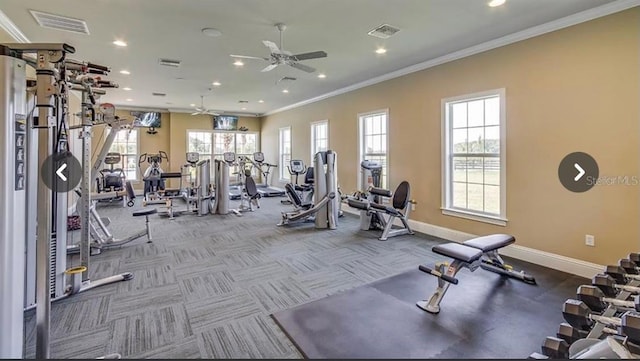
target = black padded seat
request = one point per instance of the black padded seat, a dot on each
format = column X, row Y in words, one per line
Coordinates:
column 145, row 212
column 458, row 251
column 491, row 242
column 355, row 203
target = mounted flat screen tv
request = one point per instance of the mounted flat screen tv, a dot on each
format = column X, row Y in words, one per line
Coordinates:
column 225, row 122
column 146, row 119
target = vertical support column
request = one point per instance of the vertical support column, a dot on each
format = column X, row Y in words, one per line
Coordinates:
column 85, row 188
column 46, row 128
column 320, row 188
column 13, row 136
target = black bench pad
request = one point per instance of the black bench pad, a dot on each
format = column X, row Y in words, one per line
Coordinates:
column 145, row 212
column 491, row 242
column 458, row 251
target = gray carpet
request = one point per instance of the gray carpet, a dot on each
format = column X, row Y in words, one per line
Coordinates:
column 206, row 287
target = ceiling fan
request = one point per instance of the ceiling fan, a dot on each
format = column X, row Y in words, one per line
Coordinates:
column 279, row 56
column 202, row 110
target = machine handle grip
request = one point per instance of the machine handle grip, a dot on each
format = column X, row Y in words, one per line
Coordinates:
column 98, row 67
column 438, row 274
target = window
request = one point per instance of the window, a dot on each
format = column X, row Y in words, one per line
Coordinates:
column 200, row 142
column 285, row 152
column 126, row 143
column 474, row 152
column 213, row 144
column 373, row 141
column 319, row 137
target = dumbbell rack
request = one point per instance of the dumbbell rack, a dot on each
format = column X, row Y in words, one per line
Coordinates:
column 606, row 323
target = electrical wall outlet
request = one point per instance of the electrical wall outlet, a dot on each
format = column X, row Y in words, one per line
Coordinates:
column 413, row 206
column 590, row 240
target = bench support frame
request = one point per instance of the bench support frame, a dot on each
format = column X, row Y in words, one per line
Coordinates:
column 433, row 304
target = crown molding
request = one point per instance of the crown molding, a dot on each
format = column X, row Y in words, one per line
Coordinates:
column 7, row 25
column 577, row 18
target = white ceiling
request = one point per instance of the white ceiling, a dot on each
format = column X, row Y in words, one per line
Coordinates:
column 172, row 29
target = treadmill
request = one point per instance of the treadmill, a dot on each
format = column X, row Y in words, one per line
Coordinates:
column 263, row 188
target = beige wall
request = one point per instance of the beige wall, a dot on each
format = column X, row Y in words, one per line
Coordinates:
column 575, row 89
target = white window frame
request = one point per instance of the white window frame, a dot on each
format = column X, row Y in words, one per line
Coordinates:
column 213, row 145
column 314, row 139
column 138, row 177
column 447, row 189
column 283, row 177
column 361, row 144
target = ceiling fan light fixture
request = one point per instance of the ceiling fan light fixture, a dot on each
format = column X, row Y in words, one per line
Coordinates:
column 381, row 51
column 216, row 83
column 285, row 90
column 322, row 76
column 192, row 105
column 260, row 101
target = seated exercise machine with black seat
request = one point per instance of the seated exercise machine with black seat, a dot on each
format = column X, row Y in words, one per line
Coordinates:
column 265, row 169
column 477, row 252
column 326, row 204
column 296, row 168
column 111, row 179
column 375, row 215
column 154, row 177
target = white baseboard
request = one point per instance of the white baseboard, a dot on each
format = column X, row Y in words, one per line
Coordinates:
column 542, row 258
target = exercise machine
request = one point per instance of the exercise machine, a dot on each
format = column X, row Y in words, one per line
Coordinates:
column 34, row 230
column 265, row 189
column 196, row 174
column 304, row 191
column 221, row 180
column 481, row 252
column 374, row 214
column 326, row 206
column 111, row 179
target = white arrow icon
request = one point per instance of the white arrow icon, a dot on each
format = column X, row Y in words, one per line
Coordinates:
column 59, row 172
column 580, row 172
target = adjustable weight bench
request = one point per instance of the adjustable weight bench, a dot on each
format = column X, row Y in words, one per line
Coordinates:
column 477, row 252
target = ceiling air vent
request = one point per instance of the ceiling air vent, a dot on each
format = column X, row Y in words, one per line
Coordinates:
column 60, row 22
column 169, row 62
column 158, row 94
column 384, row 31
column 243, row 101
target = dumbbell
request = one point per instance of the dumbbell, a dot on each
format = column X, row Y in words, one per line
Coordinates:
column 630, row 266
column 621, row 276
column 580, row 316
column 635, row 257
column 597, row 301
column 610, row 288
column 569, row 333
column 555, row 348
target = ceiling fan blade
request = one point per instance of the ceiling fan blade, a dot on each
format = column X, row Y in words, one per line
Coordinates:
column 311, row 55
column 272, row 47
column 269, row 67
column 195, row 113
column 302, row 67
column 247, row 57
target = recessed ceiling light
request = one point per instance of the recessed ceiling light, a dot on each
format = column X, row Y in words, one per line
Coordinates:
column 381, row 51
column 126, row 88
column 260, row 101
column 238, row 62
column 244, row 108
column 125, row 72
column 216, row 83
column 321, row 76
column 192, row 105
column 285, row 91
column 211, row 32
column 494, row 3
column 120, row 43
column 129, row 99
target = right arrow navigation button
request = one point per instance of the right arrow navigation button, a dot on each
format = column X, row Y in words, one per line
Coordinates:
column 581, row 172
column 587, row 172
